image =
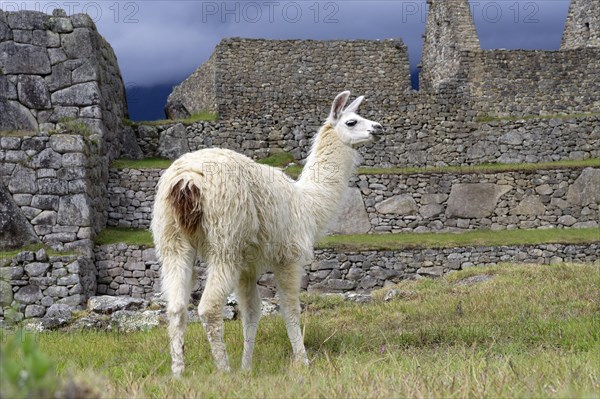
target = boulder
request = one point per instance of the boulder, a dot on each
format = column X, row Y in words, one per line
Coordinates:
column 353, row 217
column 6, row 293
column 586, row 189
column 398, row 205
column 173, row 142
column 474, row 200
column 15, row 229
column 530, row 205
column 176, row 110
column 109, row 304
column 130, row 148
column 127, row 320
column 29, row 294
column 56, row 316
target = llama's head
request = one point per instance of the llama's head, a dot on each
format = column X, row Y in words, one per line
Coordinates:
column 351, row 128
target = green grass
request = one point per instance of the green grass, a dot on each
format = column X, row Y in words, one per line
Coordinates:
column 197, row 117
column 278, row 159
column 74, row 126
column 531, row 331
column 6, row 255
column 491, row 118
column 367, row 242
column 283, row 160
column 115, row 235
column 147, row 163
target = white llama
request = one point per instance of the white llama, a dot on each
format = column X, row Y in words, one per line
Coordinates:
column 244, row 218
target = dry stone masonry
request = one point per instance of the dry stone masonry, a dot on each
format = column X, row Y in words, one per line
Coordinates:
column 62, row 105
column 420, row 202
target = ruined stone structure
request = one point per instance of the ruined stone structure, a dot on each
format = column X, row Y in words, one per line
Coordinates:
column 62, row 104
column 583, row 25
column 252, row 78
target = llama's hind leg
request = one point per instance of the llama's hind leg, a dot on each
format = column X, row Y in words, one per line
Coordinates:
column 288, row 284
column 220, row 283
column 249, row 300
column 176, row 280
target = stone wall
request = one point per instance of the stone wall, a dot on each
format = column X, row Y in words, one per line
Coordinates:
column 407, row 141
column 456, row 72
column 132, row 270
column 61, row 118
column 438, row 202
column 195, row 94
column 288, row 78
column 56, row 67
column 449, row 31
column 520, row 82
column 32, row 282
column 54, row 181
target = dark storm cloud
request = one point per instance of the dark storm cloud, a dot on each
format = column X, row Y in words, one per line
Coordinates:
column 164, row 41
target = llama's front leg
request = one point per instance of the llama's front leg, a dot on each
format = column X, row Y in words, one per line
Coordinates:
column 176, row 280
column 249, row 301
column 219, row 284
column 288, row 283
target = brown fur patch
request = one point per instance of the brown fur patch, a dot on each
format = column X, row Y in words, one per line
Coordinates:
column 185, row 200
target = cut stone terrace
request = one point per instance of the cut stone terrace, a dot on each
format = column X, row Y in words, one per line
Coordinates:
column 420, row 202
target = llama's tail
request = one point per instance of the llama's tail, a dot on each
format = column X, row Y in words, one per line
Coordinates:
column 185, row 199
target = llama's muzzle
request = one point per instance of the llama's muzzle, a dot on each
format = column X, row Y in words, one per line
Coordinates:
column 376, row 132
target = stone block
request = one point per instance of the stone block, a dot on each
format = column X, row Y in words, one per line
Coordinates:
column 77, row 95
column 34, row 311
column 33, row 92
column 173, row 142
column 586, row 189
column 16, row 58
column 6, row 293
column 15, row 229
column 474, row 200
column 28, row 294
column 74, row 210
column 37, row 269
column 398, row 205
column 14, row 116
column 63, row 143
column 353, row 217
column 531, row 205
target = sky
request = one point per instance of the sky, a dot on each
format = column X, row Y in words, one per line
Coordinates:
column 159, row 43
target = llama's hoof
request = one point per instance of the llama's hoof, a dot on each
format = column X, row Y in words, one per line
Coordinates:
column 301, row 361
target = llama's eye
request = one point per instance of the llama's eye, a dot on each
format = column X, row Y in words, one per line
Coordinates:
column 351, row 122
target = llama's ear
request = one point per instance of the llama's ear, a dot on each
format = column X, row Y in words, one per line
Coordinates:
column 353, row 107
column 338, row 106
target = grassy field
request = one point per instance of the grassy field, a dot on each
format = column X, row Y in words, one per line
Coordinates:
column 530, row 331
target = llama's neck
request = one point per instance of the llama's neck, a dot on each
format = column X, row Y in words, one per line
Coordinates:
column 325, row 176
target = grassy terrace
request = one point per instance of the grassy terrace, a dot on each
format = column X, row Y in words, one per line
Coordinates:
column 198, row 117
column 33, row 247
column 283, row 160
column 529, row 331
column 491, row 118
column 366, row 242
